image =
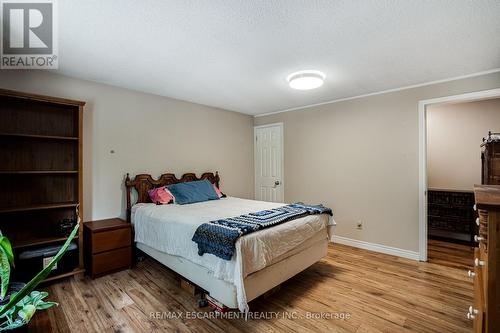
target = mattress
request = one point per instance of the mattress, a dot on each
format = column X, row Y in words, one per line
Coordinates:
column 169, row 229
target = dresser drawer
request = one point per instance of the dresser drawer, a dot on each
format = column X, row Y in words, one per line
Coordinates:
column 111, row 261
column 479, row 301
column 476, row 310
column 109, row 240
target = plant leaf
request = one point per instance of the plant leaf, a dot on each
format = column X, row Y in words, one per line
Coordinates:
column 35, row 297
column 9, row 313
column 40, row 276
column 7, row 247
column 43, row 294
column 25, row 300
column 4, row 273
column 27, row 312
column 45, row 305
column 12, row 325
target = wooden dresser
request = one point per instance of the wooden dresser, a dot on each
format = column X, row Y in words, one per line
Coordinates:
column 108, row 246
column 485, row 312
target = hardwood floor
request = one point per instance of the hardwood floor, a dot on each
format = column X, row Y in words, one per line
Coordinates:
column 450, row 254
column 380, row 293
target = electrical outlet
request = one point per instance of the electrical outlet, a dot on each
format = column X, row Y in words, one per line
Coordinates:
column 359, row 225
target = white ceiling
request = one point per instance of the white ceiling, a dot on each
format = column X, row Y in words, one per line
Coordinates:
column 236, row 54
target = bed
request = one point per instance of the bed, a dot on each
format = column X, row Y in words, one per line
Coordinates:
column 263, row 259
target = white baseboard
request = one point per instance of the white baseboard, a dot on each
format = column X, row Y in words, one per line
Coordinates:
column 376, row 247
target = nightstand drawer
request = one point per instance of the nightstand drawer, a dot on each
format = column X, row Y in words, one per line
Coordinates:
column 111, row 261
column 107, row 246
column 109, row 240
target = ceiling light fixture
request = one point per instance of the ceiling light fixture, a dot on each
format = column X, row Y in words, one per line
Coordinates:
column 306, row 80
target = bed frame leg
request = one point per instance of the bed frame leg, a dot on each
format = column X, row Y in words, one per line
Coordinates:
column 138, row 256
column 202, row 301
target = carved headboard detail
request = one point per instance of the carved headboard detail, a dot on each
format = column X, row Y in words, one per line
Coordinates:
column 144, row 182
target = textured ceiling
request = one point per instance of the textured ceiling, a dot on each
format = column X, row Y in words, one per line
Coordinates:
column 236, row 54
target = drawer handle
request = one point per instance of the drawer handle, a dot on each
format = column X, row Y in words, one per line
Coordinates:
column 478, row 238
column 477, row 221
column 478, row 262
column 471, row 274
column 471, row 315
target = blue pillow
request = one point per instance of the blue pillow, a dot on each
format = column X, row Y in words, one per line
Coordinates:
column 191, row 192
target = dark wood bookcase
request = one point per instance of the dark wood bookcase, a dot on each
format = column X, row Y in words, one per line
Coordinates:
column 40, row 170
column 451, row 215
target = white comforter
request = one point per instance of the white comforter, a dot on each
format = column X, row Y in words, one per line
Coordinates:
column 169, row 228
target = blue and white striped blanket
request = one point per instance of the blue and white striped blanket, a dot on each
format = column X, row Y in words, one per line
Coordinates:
column 219, row 237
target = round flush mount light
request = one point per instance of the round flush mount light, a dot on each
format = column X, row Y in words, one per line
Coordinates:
column 306, row 80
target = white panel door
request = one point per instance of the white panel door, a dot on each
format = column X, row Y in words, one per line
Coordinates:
column 268, row 156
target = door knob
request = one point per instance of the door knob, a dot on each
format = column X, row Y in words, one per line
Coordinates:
column 471, row 273
column 276, row 183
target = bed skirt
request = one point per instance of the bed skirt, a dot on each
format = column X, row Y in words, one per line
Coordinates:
column 255, row 284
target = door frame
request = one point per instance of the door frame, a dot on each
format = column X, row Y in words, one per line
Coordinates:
column 422, row 154
column 255, row 128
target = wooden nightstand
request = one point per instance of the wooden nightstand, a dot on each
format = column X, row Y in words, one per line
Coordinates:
column 108, row 246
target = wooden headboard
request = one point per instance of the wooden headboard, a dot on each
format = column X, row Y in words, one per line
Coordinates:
column 143, row 183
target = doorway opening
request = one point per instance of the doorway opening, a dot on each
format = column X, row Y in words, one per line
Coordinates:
column 450, row 134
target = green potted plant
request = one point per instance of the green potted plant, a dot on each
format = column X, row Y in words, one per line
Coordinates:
column 6, row 260
column 24, row 302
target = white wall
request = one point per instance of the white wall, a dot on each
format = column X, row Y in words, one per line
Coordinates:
column 360, row 157
column 149, row 134
column 454, row 135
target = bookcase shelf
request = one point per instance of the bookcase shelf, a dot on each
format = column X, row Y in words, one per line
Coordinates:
column 36, row 136
column 38, row 207
column 38, row 172
column 38, row 241
column 41, row 176
column 60, row 276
